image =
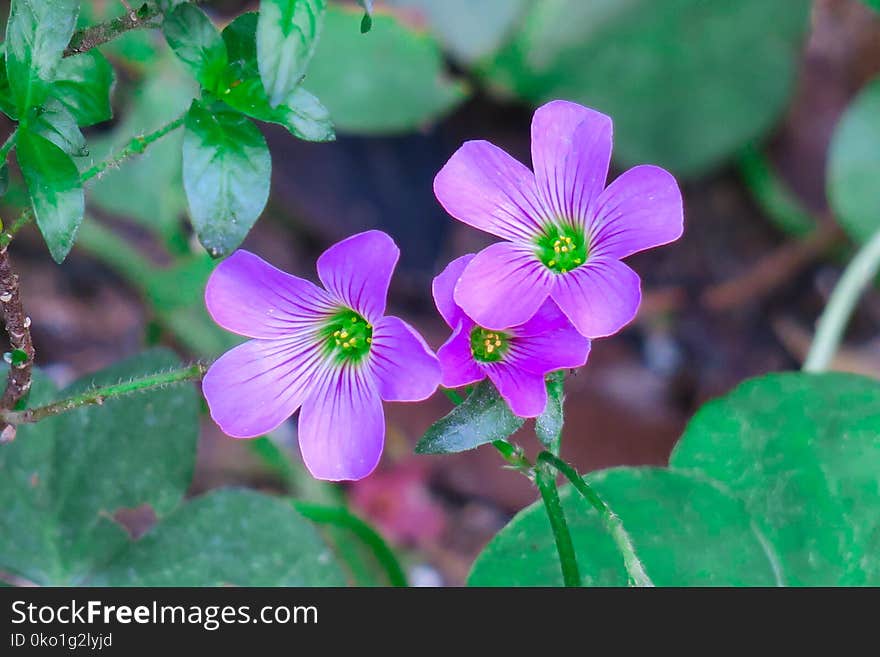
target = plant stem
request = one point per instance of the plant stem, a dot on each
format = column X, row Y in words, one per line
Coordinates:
column 545, row 478
column 7, row 146
column 135, row 146
column 23, row 219
column 452, row 396
column 18, row 381
column 91, row 37
column 857, row 276
column 611, row 520
column 342, row 517
column 100, row 395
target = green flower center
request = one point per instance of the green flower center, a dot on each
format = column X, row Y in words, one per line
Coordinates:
column 347, row 336
column 562, row 248
column 489, row 346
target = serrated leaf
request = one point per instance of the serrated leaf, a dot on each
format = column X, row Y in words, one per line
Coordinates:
column 548, row 425
column 83, row 84
column 55, row 122
column 36, row 34
column 287, row 34
column 481, row 418
column 65, row 477
column 55, row 190
column 685, row 530
column 301, row 113
column 803, row 453
column 197, row 43
column 255, row 540
column 365, row 86
column 854, row 166
column 226, row 173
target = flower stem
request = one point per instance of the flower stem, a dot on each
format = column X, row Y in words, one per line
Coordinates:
column 7, row 146
column 342, row 517
column 545, row 478
column 860, row 272
column 135, row 146
column 100, row 395
column 18, row 381
column 611, row 520
column 91, row 37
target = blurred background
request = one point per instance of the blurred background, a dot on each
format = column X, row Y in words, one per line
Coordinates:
column 743, row 101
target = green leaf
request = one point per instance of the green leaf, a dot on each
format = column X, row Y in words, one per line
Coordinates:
column 55, row 122
column 685, row 530
column 803, row 452
column 83, row 84
column 364, row 84
column 197, row 43
column 481, row 418
column 874, row 4
column 468, row 30
column 687, row 82
column 66, row 476
column 7, row 102
column 55, row 190
column 227, row 537
column 854, row 166
column 226, row 172
column 548, row 425
column 301, row 113
column 36, row 35
column 4, row 178
column 287, row 33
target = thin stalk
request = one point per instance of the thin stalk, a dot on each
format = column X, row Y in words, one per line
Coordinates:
column 545, row 478
column 611, row 520
column 7, row 146
column 342, row 517
column 148, row 16
column 97, row 396
column 857, row 276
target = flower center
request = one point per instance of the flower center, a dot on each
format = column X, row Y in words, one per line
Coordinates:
column 562, row 248
column 347, row 336
column 488, row 346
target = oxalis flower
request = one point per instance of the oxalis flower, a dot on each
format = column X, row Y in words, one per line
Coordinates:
column 565, row 231
column 330, row 352
column 516, row 359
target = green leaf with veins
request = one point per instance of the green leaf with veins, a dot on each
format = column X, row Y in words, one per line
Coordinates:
column 197, row 43
column 83, row 84
column 56, row 122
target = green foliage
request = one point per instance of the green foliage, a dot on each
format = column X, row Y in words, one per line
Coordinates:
column 776, row 483
column 548, row 425
column 287, row 34
column 83, row 84
column 481, row 418
column 803, row 453
column 854, row 166
column 197, row 43
column 66, row 477
column 687, row 82
column 874, row 4
column 56, row 122
column 390, row 80
column 226, row 172
column 56, row 193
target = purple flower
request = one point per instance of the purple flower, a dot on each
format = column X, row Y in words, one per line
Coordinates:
column 565, row 231
column 330, row 351
column 516, row 359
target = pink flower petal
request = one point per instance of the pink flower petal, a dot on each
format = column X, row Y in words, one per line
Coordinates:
column 444, row 286
column 640, row 210
column 547, row 318
column 503, row 286
column 457, row 363
column 558, row 349
column 248, row 296
column 599, row 297
column 524, row 392
column 484, row 187
column 357, row 271
column 404, row 366
column 341, row 425
column 256, row 386
column 571, row 151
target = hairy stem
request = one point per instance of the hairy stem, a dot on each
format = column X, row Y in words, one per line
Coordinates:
column 136, row 146
column 7, row 146
column 545, row 477
column 147, row 16
column 611, row 520
column 342, row 517
column 101, row 394
column 857, row 276
column 18, row 381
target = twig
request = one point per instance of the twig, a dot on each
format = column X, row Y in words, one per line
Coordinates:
column 91, row 37
column 22, row 354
